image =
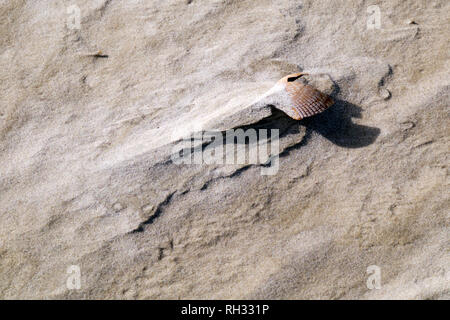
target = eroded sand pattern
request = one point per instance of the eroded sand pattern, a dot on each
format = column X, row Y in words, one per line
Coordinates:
column 89, row 117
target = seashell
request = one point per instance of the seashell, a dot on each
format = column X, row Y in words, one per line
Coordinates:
column 298, row 100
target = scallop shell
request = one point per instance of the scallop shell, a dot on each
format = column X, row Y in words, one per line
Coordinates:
column 304, row 100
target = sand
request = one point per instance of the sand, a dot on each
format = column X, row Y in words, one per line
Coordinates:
column 87, row 178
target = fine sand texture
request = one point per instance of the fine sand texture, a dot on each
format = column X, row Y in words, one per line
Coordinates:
column 96, row 97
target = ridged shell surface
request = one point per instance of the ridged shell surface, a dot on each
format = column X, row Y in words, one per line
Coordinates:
column 306, row 100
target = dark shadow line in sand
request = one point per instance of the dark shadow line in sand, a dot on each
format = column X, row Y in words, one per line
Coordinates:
column 334, row 124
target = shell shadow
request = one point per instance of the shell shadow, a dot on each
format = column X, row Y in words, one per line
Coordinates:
column 335, row 124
